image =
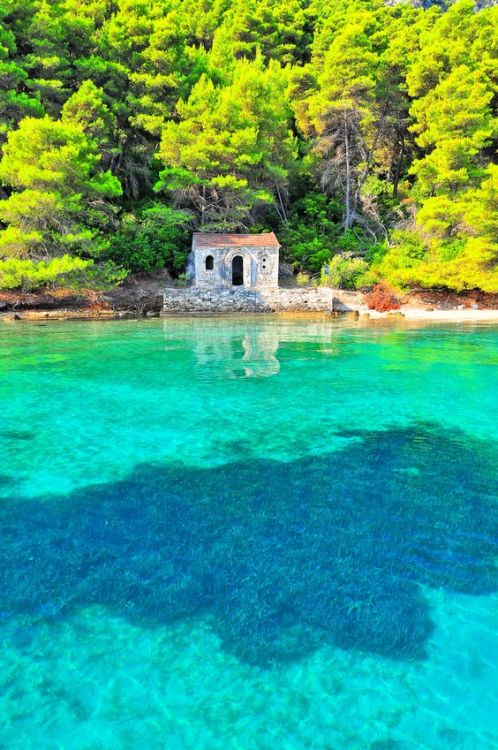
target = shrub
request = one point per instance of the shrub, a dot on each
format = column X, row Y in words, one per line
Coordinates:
column 311, row 232
column 344, row 271
column 64, row 271
column 303, row 279
column 97, row 276
column 29, row 274
column 382, row 298
column 456, row 263
column 154, row 237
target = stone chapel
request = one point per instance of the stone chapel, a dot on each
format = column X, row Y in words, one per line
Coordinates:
column 230, row 261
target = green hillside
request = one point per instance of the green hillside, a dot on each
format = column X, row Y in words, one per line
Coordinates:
column 363, row 133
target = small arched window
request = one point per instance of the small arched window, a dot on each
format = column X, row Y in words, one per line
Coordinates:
column 209, row 263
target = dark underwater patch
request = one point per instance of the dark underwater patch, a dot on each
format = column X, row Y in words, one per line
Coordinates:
column 283, row 556
column 17, row 435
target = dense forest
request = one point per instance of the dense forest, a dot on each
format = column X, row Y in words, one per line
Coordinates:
column 363, row 132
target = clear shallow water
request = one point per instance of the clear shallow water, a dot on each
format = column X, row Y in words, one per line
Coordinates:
column 248, row 533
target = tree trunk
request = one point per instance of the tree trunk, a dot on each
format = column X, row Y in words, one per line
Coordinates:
column 347, row 218
column 281, row 207
column 397, row 172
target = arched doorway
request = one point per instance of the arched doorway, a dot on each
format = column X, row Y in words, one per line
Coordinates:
column 238, row 271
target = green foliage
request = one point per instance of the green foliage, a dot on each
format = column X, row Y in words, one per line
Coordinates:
column 61, row 205
column 96, row 276
column 277, row 30
column 65, row 271
column 459, row 266
column 154, row 237
column 231, row 147
column 44, row 154
column 455, row 123
column 87, row 108
column 361, row 132
column 304, row 279
column 344, row 271
column 29, row 274
column 311, row 233
column 454, row 239
column 15, row 102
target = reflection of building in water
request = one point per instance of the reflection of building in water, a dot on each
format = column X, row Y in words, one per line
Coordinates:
column 260, row 353
column 240, row 353
column 242, row 348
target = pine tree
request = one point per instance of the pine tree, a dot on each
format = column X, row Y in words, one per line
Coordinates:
column 59, row 201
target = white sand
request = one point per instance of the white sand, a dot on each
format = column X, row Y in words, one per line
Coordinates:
column 446, row 316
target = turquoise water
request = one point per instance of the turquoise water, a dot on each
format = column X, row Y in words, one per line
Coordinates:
column 248, row 533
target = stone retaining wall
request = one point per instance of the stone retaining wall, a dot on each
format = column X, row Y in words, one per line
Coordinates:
column 240, row 300
column 348, row 301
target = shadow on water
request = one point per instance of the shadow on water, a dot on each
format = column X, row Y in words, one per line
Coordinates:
column 283, row 556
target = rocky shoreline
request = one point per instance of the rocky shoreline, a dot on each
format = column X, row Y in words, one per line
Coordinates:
column 142, row 296
column 139, row 296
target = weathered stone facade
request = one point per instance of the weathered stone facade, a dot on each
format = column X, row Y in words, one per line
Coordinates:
column 200, row 300
column 224, row 261
column 230, row 273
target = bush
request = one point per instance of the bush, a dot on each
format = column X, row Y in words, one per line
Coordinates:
column 29, row 274
column 97, row 276
column 457, row 263
column 65, row 271
column 154, row 237
column 344, row 271
column 382, row 298
column 303, row 279
column 311, row 232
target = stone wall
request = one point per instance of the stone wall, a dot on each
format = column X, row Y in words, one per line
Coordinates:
column 260, row 267
column 198, row 300
column 348, row 301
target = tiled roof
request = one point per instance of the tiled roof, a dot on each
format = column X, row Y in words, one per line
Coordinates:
column 202, row 239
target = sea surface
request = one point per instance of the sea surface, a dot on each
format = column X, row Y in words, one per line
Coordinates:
column 250, row 533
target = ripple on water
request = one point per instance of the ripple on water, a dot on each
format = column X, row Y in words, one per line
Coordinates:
column 343, row 596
